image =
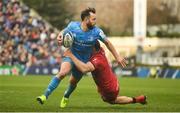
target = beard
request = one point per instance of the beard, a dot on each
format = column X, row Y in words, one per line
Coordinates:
column 90, row 26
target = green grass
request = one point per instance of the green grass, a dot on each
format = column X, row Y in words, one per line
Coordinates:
column 19, row 93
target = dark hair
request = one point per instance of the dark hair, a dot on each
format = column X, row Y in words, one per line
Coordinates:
column 86, row 12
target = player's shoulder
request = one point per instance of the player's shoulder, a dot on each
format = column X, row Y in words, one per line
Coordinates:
column 98, row 30
column 74, row 24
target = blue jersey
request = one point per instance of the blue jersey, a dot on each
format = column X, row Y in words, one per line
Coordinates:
column 82, row 46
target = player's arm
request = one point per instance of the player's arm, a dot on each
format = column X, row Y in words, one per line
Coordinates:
column 111, row 48
column 83, row 67
column 59, row 37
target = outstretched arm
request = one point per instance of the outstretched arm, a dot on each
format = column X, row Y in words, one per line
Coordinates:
column 111, row 48
column 83, row 67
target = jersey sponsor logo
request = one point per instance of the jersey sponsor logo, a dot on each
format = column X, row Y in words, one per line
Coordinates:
column 90, row 38
column 82, row 44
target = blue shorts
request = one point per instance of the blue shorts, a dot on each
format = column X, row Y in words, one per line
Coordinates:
column 75, row 72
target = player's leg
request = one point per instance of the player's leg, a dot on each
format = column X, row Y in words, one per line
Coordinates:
column 127, row 100
column 74, row 79
column 123, row 100
column 142, row 99
column 72, row 86
column 64, row 70
column 113, row 97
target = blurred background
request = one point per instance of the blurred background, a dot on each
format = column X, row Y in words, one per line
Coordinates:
column 146, row 32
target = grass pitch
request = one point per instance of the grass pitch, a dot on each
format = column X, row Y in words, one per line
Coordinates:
column 19, row 94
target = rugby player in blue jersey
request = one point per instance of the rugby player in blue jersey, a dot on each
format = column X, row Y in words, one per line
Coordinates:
column 85, row 33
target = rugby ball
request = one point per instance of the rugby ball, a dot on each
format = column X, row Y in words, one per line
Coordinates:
column 67, row 39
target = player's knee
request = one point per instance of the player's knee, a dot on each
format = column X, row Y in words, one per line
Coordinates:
column 64, row 70
column 110, row 101
column 62, row 74
column 73, row 81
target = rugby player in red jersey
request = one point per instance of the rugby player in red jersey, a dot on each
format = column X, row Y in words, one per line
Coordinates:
column 105, row 79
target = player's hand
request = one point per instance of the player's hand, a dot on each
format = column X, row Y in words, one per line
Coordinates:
column 122, row 61
column 59, row 38
column 67, row 52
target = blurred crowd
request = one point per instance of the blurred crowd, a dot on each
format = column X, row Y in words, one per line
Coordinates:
column 24, row 39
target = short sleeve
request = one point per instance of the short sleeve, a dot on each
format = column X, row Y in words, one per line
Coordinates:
column 101, row 35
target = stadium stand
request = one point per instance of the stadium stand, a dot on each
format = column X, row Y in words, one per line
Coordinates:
column 24, row 39
column 28, row 41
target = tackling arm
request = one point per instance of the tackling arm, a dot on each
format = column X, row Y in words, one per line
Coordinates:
column 83, row 67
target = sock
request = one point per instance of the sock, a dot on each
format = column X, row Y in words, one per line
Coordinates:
column 69, row 90
column 52, row 85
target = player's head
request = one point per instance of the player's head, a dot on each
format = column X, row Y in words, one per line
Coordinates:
column 89, row 17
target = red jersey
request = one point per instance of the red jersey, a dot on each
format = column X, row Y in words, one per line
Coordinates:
column 103, row 76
